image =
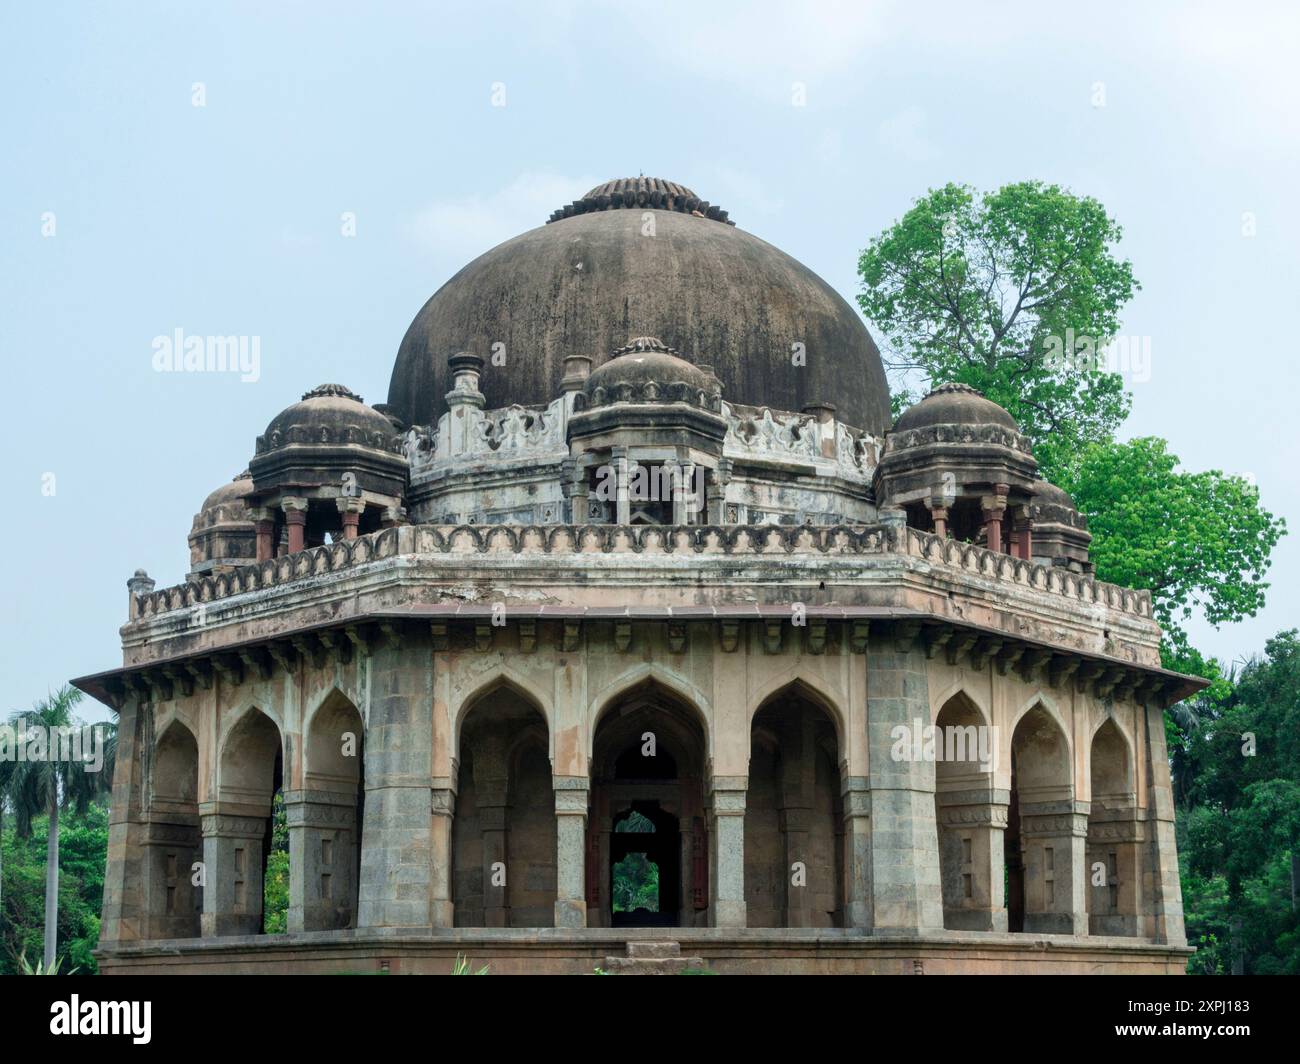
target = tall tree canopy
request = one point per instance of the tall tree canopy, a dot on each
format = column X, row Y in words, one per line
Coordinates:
column 1194, row 540
column 1238, row 787
column 1014, row 293
column 1017, row 293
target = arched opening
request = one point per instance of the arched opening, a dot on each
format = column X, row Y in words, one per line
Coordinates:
column 504, row 832
column 250, row 830
column 645, row 858
column 969, row 819
column 1115, row 836
column 1044, row 851
column 794, row 822
column 648, row 773
column 328, row 819
column 174, row 842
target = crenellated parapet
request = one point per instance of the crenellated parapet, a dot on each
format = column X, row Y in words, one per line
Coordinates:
column 701, row 542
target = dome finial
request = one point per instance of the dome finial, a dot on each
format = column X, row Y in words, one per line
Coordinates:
column 642, row 192
column 336, row 391
column 642, row 345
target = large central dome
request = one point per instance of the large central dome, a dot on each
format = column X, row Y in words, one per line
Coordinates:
column 637, row 257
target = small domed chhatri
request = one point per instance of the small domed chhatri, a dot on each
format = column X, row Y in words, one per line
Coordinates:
column 954, row 404
column 957, row 464
column 327, row 467
column 603, row 502
column 647, row 371
column 223, row 535
column 328, row 414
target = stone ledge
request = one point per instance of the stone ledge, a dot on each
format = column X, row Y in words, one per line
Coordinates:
column 724, row 950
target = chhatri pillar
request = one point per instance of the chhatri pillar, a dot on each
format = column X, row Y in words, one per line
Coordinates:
column 351, row 508
column 295, row 517
column 994, row 508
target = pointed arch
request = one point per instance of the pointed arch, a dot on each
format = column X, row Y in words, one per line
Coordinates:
column 175, row 775
column 806, row 684
column 1110, row 762
column 249, row 749
column 960, row 687
column 501, row 677
column 616, row 690
column 333, row 737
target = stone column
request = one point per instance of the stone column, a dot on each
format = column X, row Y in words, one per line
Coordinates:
column 571, row 794
column 727, row 798
column 685, row 503
column 444, row 809
column 264, row 523
column 715, row 491
column 1053, row 844
column 1023, row 530
column 123, row 909
column 322, row 860
column 1116, row 838
column 350, row 509
column 295, row 516
column 972, row 832
column 940, row 516
column 857, row 852
column 232, row 867
column 396, row 840
column 1164, row 888
column 393, row 517
column 623, row 506
column 573, row 478
column 994, row 507
column 170, row 847
column 904, row 849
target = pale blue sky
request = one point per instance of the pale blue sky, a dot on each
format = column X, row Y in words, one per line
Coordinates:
column 225, row 219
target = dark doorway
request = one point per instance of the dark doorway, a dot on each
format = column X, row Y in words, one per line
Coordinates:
column 644, row 867
column 1015, row 881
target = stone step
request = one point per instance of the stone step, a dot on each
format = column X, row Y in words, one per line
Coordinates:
column 654, row 949
column 652, row 958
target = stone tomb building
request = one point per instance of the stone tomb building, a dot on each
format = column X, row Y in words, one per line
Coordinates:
column 633, row 564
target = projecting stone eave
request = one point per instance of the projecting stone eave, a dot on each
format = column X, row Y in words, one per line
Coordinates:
column 959, row 642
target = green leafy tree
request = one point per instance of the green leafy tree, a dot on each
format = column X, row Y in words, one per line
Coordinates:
column 275, row 882
column 83, row 847
column 1196, row 541
column 1014, row 292
column 1239, row 821
column 50, row 784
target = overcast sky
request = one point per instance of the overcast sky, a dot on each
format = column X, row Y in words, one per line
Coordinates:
column 128, row 211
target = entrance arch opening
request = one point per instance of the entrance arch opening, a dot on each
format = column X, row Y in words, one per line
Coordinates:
column 794, row 819
column 647, row 847
column 1042, row 854
column 1115, row 838
column 503, row 833
column 173, row 902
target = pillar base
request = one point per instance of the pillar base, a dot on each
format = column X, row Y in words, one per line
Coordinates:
column 570, row 912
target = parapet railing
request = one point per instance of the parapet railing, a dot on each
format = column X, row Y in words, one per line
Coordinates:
column 734, row 540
